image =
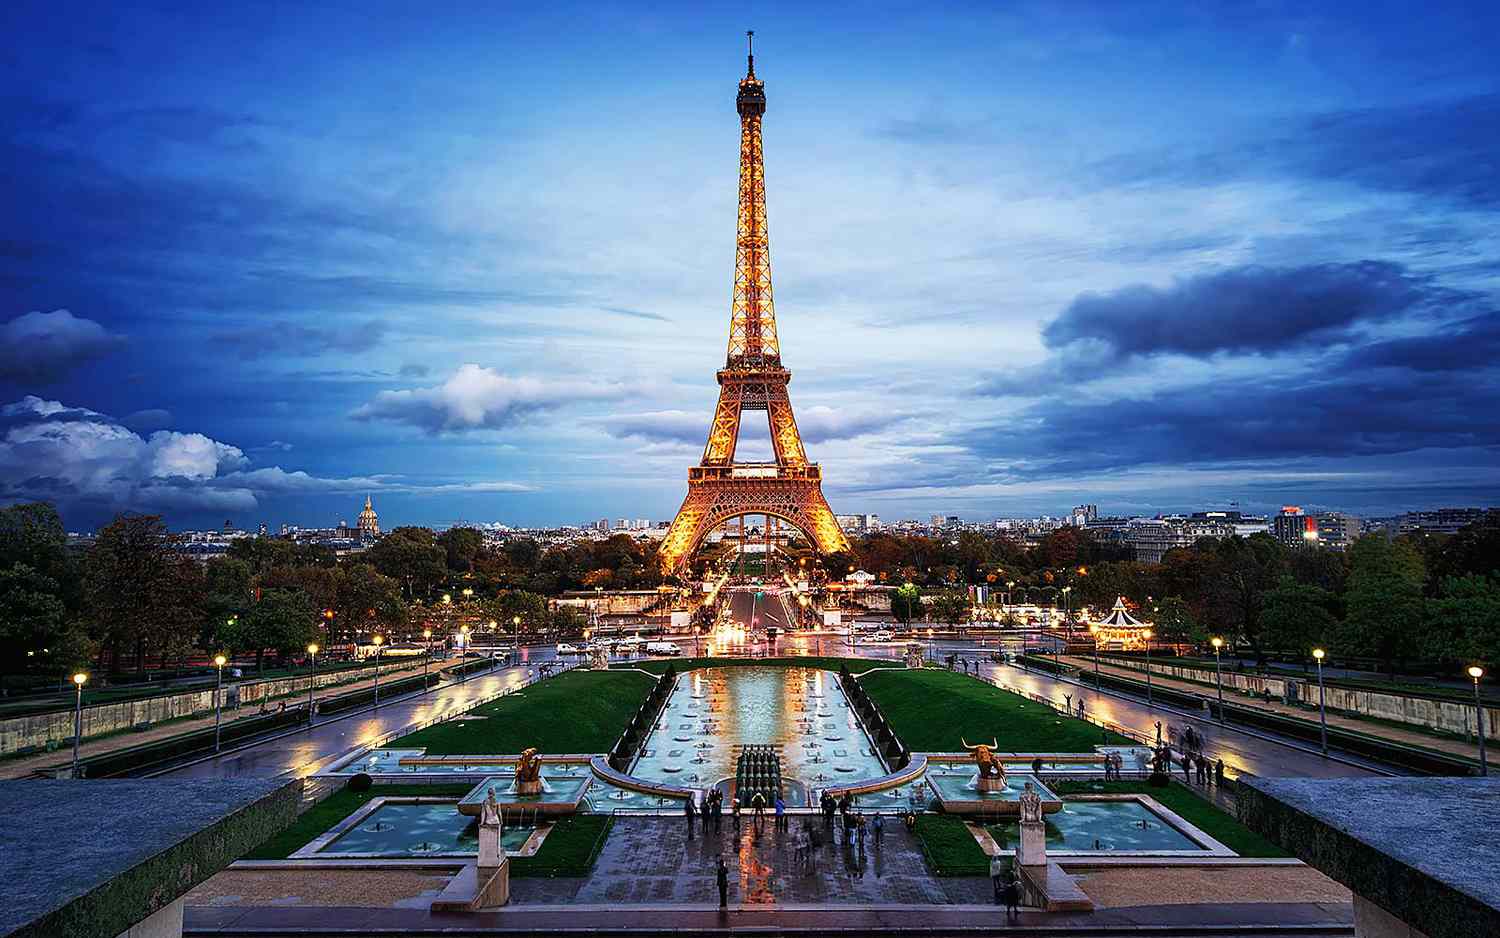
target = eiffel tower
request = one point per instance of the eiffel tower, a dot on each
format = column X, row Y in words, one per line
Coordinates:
column 752, row 378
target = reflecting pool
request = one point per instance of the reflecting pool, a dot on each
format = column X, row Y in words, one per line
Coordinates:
column 962, row 785
column 713, row 712
column 1102, row 826
column 415, row 830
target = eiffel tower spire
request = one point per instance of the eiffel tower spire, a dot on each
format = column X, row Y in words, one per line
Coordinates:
column 719, row 489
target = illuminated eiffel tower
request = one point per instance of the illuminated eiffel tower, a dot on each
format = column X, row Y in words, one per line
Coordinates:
column 752, row 378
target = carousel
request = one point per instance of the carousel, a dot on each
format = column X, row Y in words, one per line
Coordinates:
column 1120, row 631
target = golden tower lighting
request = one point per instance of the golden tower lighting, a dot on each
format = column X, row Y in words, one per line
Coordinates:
column 720, row 489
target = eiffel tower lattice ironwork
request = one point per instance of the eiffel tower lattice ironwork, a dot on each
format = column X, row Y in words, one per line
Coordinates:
column 753, row 378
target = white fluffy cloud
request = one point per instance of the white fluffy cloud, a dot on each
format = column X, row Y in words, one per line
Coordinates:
column 476, row 398
column 43, row 347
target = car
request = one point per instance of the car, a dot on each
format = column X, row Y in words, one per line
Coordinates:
column 663, row 648
column 563, row 648
column 882, row 636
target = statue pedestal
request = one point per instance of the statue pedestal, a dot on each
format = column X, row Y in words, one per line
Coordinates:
column 492, row 888
column 530, row 787
column 990, row 782
column 1033, row 851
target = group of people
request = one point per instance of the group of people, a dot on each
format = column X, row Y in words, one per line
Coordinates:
column 712, row 810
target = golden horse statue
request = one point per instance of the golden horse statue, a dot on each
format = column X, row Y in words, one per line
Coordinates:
column 984, row 757
column 529, row 766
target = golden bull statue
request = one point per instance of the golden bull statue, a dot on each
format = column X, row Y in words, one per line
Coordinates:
column 529, row 767
column 984, row 757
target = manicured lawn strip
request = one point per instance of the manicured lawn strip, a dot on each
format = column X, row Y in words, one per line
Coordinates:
column 570, row 849
column 575, row 712
column 934, row 711
column 1197, row 811
column 826, row 662
column 337, row 806
column 950, row 847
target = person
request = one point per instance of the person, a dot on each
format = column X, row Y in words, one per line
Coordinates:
column 722, row 874
column 1081, row 714
column 1202, row 764
column 878, row 824
column 780, row 813
column 827, row 803
column 1219, row 772
column 1187, row 763
column 1158, row 732
column 758, row 805
column 734, row 814
column 1010, row 891
column 689, row 809
column 910, row 820
column 1036, row 766
column 859, row 828
column 997, row 877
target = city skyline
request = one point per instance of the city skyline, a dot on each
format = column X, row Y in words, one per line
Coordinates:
column 479, row 267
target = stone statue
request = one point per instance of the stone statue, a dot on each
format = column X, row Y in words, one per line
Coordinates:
column 1031, row 805
column 984, row 757
column 489, row 812
column 529, row 767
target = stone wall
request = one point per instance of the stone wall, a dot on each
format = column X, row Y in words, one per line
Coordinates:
column 1449, row 715
column 18, row 734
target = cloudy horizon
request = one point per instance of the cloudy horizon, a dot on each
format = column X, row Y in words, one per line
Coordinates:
column 262, row 261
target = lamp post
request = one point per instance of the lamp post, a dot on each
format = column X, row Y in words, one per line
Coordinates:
column 1218, row 643
column 515, row 623
column 312, row 679
column 426, row 656
column 79, row 680
column 1318, row 654
column 378, row 640
column 1067, row 615
column 1147, row 636
column 219, row 662
column 1476, row 672
column 463, row 654
column 1094, row 631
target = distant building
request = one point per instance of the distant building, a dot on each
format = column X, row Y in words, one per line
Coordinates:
column 1150, row 538
column 368, row 523
column 858, row 524
column 1440, row 520
column 1083, row 514
column 1293, row 528
column 1337, row 530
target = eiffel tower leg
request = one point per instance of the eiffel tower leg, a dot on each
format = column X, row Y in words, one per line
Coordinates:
column 687, row 530
column 821, row 525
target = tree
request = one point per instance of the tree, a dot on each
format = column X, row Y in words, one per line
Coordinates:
column 1175, row 623
column 413, row 557
column 461, row 547
column 1240, row 573
column 1463, row 621
column 281, row 621
column 138, row 593
column 1384, row 599
column 952, row 606
column 228, row 591
column 366, row 599
column 906, row 603
column 34, row 622
column 1297, row 617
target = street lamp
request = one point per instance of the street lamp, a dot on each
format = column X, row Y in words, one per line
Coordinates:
column 312, row 679
column 1094, row 631
column 1218, row 643
column 1147, row 636
column 79, row 680
column 1318, row 654
column 426, row 655
column 378, row 640
column 1475, row 672
column 219, row 662
column 463, row 654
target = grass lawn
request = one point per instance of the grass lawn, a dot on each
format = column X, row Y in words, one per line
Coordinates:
column 934, row 710
column 827, row 662
column 1193, row 809
column 337, row 806
column 578, row 711
column 951, row 848
column 570, row 849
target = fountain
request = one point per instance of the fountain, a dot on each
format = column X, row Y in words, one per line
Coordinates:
column 529, row 774
column 991, row 772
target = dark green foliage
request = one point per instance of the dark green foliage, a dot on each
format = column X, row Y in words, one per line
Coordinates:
column 570, row 849
column 122, row 762
column 950, row 847
column 360, row 782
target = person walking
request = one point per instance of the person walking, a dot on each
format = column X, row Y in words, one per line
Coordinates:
column 780, row 808
column 758, row 805
column 997, row 874
column 1202, row 764
column 722, row 875
column 689, row 809
column 879, row 825
column 1219, row 772
column 1187, row 763
column 859, row 829
column 734, row 815
column 1010, row 892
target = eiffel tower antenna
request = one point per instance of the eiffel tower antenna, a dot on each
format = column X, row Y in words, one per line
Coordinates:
column 720, row 489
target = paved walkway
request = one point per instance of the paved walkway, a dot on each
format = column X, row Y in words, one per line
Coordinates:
column 1368, row 727
column 24, row 766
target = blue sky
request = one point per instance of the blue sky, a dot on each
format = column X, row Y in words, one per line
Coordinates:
column 475, row 259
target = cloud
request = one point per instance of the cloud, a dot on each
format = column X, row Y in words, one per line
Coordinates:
column 477, row 398
column 413, row 370
column 279, row 445
column 152, row 419
column 817, row 424
column 635, row 313
column 1244, row 310
column 43, row 347
column 286, row 338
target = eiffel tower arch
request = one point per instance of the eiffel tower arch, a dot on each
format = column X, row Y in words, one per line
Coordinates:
column 752, row 379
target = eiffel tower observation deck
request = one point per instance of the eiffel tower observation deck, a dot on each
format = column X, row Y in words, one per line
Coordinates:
column 752, row 379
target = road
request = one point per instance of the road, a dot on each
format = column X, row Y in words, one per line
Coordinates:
column 303, row 752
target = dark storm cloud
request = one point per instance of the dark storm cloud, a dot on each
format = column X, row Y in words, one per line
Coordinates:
column 287, row 339
column 1247, row 309
column 40, row 348
column 1471, row 343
